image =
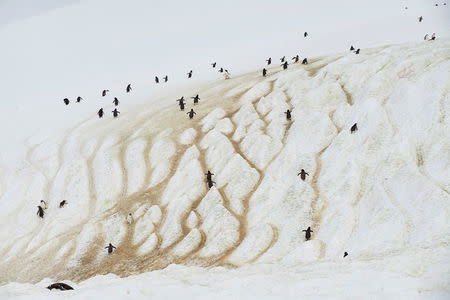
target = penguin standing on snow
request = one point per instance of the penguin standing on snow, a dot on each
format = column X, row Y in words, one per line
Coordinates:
column 305, row 61
column 283, row 58
column 285, row 65
column 196, row 98
column 115, row 113
column 288, row 114
column 264, row 72
column 221, row 70
column 100, row 113
column 60, row 286
column 433, row 36
column 305, row 34
column 79, row 99
column 345, row 253
column 180, row 101
column 156, row 79
column 351, row 48
column 357, row 51
column 110, row 248
column 303, row 174
column 213, row 64
column 269, row 60
column 40, row 211
column 189, row 74
column 354, row 128
column 209, row 175
column 115, row 101
column 62, row 203
column 66, row 101
column 128, row 88
column 420, row 19
column 296, row 58
column 307, row 233
column 104, row 93
column 191, row 113
column 166, row 78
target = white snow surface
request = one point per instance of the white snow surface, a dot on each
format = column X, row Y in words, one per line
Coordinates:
column 380, row 193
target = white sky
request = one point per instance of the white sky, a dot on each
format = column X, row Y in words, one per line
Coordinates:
column 55, row 49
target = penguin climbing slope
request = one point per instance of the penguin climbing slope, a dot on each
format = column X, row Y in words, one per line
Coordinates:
column 307, row 233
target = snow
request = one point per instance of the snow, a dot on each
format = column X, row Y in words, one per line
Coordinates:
column 380, row 193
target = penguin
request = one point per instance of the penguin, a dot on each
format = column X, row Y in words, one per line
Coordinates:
column 189, row 74
column 156, row 79
column 269, row 60
column 221, row 70
column 351, row 48
column 213, row 64
column 40, row 211
column 62, row 203
column 264, row 72
column 110, row 248
column 354, row 128
column 209, row 175
column 191, row 113
column 288, row 114
column 104, row 93
column 433, row 37
column 60, row 286
column 44, row 204
column 66, row 101
column 436, row 4
column 425, row 37
column 285, row 65
column 295, row 58
column 100, row 113
column 345, row 253
column 79, row 99
column 181, row 105
column 129, row 88
column 115, row 113
column 196, row 98
column 180, row 101
column 166, row 78
column 420, row 19
column 115, row 101
column 305, row 61
column 303, row 174
column 308, row 233
column 210, row 183
column 130, row 219
column 305, row 34
column 283, row 58
column 357, row 51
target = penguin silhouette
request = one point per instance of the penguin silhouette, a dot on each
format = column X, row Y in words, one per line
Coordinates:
column 345, row 253
column 180, row 101
column 285, row 65
column 209, row 175
column 269, row 60
column 196, row 98
column 189, row 74
column 156, row 79
column 115, row 113
column 288, row 114
column 305, row 61
column 213, row 64
column 181, row 105
column 115, row 101
column 303, row 174
column 62, row 203
column 40, row 211
column 357, row 51
column 354, row 128
column 191, row 113
column 433, row 36
column 104, row 93
column 128, row 88
column 66, row 101
column 305, row 34
column 79, row 99
column 351, row 48
column 283, row 58
column 166, row 78
column 420, row 19
column 308, row 233
column 264, row 72
column 60, row 286
column 110, row 248
column 296, row 58
column 221, row 70
column 100, row 113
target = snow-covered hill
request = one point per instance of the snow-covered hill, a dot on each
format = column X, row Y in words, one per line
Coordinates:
column 380, row 193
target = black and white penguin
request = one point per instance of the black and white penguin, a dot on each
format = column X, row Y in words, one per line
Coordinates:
column 296, row 58
column 354, row 128
column 283, row 59
column 62, row 203
column 213, row 64
column 104, row 93
column 420, row 19
column 345, row 253
column 189, row 74
column 191, row 113
column 156, row 79
column 305, row 61
column 196, row 98
column 209, row 175
column 288, row 114
column 110, row 248
column 303, row 174
column 100, row 113
column 307, row 233
column 115, row 101
column 66, row 101
column 115, row 113
column 44, row 204
column 166, row 78
column 269, row 60
column 79, row 99
column 284, row 65
column 60, row 286
column 210, row 183
column 40, row 211
column 305, row 34
column 357, row 51
column 351, row 48
column 128, row 88
column 264, row 72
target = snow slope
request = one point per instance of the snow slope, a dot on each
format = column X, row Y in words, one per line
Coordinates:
column 381, row 193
